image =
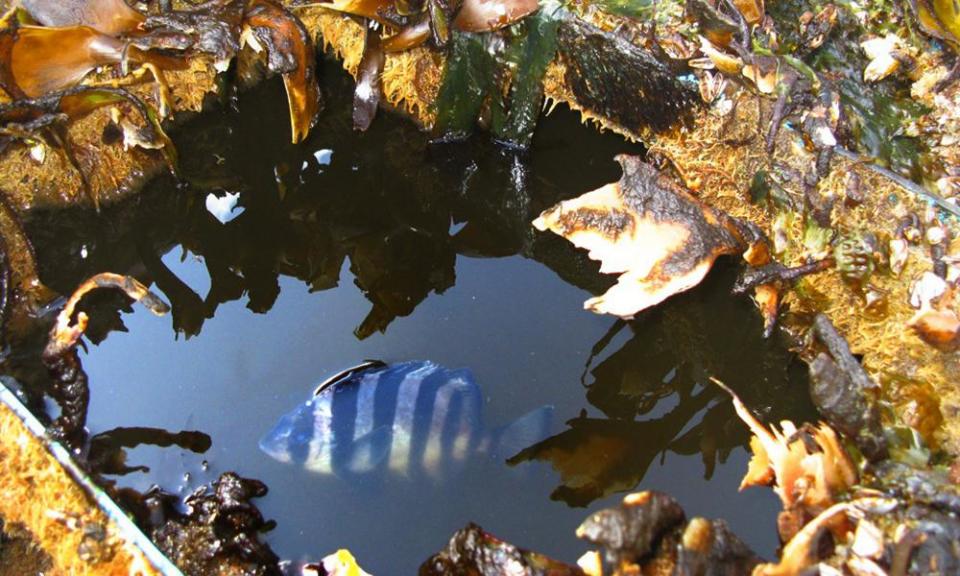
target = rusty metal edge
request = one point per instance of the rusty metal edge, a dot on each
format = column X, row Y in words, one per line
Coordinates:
column 128, row 530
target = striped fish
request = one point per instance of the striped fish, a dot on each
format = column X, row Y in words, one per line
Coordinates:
column 410, row 418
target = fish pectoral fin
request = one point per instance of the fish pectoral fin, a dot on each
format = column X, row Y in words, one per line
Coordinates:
column 370, row 450
column 527, row 430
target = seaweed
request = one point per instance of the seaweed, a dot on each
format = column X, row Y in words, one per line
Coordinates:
column 106, row 452
column 70, row 386
column 465, row 86
column 366, row 96
column 530, row 52
column 877, row 119
column 290, row 53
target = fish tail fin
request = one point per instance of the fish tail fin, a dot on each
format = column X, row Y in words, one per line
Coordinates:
column 525, row 431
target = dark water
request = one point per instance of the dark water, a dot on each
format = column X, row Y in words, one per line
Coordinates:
column 398, row 250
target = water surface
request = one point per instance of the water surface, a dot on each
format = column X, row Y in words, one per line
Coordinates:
column 380, row 245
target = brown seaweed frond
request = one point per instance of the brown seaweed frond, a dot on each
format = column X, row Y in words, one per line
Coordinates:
column 289, row 53
column 70, row 385
column 37, row 60
column 112, row 17
column 66, row 333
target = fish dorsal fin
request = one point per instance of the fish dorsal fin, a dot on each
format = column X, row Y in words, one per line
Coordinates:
column 370, row 450
column 344, row 375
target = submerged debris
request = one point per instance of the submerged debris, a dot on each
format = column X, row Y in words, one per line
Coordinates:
column 220, row 531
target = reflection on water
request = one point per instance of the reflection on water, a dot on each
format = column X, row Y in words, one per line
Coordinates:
column 655, row 395
column 379, row 245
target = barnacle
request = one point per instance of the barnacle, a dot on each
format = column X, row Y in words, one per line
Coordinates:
column 857, row 256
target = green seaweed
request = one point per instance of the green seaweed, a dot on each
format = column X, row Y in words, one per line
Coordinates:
column 465, row 86
column 878, row 116
column 510, row 79
column 528, row 54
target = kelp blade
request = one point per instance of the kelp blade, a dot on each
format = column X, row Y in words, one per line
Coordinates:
column 290, row 53
column 111, row 17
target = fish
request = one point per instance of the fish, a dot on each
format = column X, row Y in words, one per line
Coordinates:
column 410, row 419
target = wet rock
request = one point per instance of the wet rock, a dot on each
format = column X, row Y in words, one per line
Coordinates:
column 931, row 488
column 473, row 552
column 937, row 539
column 630, row 532
column 219, row 533
column 643, row 93
column 845, row 407
column 838, row 387
column 710, row 548
column 647, row 534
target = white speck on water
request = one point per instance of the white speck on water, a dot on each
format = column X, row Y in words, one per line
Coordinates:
column 323, row 156
column 83, row 252
column 456, row 227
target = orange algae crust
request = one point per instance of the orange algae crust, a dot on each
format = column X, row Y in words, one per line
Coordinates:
column 36, row 493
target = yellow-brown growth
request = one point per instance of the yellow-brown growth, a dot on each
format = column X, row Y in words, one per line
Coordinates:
column 36, row 491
